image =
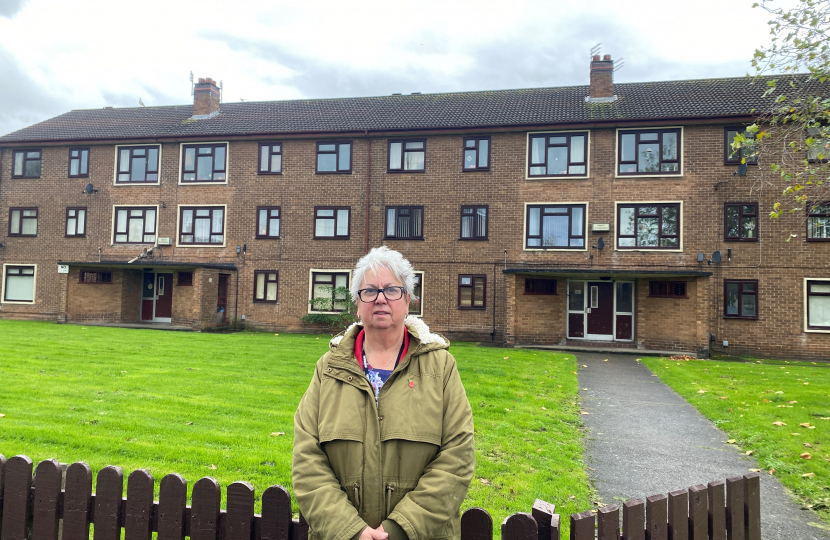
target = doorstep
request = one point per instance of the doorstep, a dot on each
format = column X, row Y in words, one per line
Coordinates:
column 141, row 326
column 615, row 350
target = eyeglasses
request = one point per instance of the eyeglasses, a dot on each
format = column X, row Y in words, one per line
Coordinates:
column 371, row 294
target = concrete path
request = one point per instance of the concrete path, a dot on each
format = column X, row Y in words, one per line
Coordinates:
column 644, row 439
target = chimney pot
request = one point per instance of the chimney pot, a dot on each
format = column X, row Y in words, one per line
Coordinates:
column 201, row 80
column 205, row 97
column 602, row 77
column 607, row 57
column 595, row 58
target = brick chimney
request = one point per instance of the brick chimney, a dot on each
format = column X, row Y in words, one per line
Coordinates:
column 602, row 78
column 205, row 97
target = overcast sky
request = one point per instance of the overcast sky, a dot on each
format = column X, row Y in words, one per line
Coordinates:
column 58, row 55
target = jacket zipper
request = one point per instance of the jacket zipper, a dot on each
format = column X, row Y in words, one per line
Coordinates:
column 357, row 495
column 390, row 488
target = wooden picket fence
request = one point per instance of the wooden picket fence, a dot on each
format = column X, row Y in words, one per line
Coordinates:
column 58, row 504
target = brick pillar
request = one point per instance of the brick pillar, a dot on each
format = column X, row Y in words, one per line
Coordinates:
column 509, row 309
column 704, row 287
column 64, row 298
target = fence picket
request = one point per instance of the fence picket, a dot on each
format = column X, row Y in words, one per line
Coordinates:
column 657, row 527
column 735, row 508
column 47, row 496
column 752, row 506
column 240, row 503
column 678, row 515
column 108, row 491
column 717, row 511
column 608, row 522
column 299, row 529
column 204, row 510
column 172, row 506
column 634, row 520
column 519, row 526
column 2, row 483
column 139, row 507
column 77, row 502
column 544, row 514
column 276, row 514
column 698, row 513
column 582, row 526
column 16, row 508
column 476, row 524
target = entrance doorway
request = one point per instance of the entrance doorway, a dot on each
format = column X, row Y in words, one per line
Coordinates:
column 601, row 310
column 222, row 301
column 157, row 297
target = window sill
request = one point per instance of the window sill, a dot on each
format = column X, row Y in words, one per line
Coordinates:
column 78, row 176
column 817, row 330
column 333, row 172
column 22, row 236
column 656, row 250
column 26, row 177
column 655, row 176
column 267, row 237
column 405, row 239
column 119, row 184
column 396, row 171
column 817, row 239
column 563, row 177
column 331, row 237
column 266, row 302
column 741, row 239
column 18, row 303
column 269, row 173
column 476, row 170
column 554, row 249
column 736, row 163
column 474, row 239
column 204, row 183
column 201, row 245
column 477, row 308
column 740, row 318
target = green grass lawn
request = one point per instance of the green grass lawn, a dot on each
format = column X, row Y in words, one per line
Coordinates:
column 746, row 399
column 222, row 405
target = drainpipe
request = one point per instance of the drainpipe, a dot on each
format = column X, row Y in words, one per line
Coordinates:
column 368, row 184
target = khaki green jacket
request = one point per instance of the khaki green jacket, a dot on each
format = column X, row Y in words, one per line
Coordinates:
column 405, row 463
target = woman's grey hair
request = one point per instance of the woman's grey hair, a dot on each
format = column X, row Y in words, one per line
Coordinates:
column 383, row 257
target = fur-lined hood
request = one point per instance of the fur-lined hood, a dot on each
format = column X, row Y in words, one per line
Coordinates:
column 417, row 328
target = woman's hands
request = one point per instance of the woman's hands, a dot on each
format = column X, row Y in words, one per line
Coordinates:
column 373, row 534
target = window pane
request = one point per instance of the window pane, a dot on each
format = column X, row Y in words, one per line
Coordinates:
column 625, row 297
column 557, row 160
column 648, row 159
column 628, row 147
column 74, row 167
column 342, row 223
column 121, row 221
column 325, row 213
column 20, row 288
column 732, row 298
column 271, row 293
column 576, row 221
column 139, row 164
column 748, row 227
column 647, row 232
column 467, row 226
column 70, row 226
column 218, row 216
column 187, row 221
column 29, row 226
column 189, row 159
column 15, row 225
column 479, row 292
column 344, row 162
column 469, row 159
column 732, row 221
column 81, row 221
column 276, row 163
column 730, row 138
column 483, row 149
column 648, row 136
column 262, row 223
column 748, row 305
column 327, row 148
column 576, row 298
column 202, row 231
column 341, row 280
column 325, row 227
column 326, row 162
column 820, row 287
column 555, row 231
column 150, row 221
column 414, row 161
column 18, row 163
column 537, row 151
column 263, row 158
column 558, row 140
column 204, row 168
column 470, row 143
column 669, row 167
column 576, row 169
column 124, row 160
column 577, row 149
column 818, row 310
column 417, row 223
column 33, row 168
column 260, row 286
column 818, row 227
column 466, row 296
column 136, row 232
column 274, row 227
column 219, row 158
column 481, row 216
column 627, row 221
column 414, row 145
column 669, row 145
column 390, row 222
column 153, row 160
column 537, row 170
column 84, row 162
column 669, row 220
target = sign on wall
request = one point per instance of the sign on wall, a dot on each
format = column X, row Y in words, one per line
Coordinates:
column 63, row 269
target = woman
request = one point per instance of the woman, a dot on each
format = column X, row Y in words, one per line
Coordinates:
column 383, row 437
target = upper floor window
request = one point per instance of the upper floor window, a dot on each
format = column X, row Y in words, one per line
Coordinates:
column 476, row 154
column 270, row 158
column 22, row 221
column 741, row 222
column 740, row 298
column 555, row 226
column 405, row 222
column 265, row 285
column 202, row 225
column 334, row 157
column 268, row 222
column 818, row 304
column 138, row 164
column 558, row 154
column 329, row 291
column 649, row 151
column 651, row 226
column 818, row 222
column 474, row 222
column 331, row 222
column 204, row 162
column 78, row 162
column 26, row 164
column 819, row 147
column 472, row 291
column 19, row 284
column 416, row 303
column 135, row 225
column 407, row 155
column 745, row 154
column 76, row 222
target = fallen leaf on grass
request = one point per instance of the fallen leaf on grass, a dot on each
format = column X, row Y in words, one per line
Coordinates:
column 701, row 391
column 791, row 402
column 583, row 412
column 484, row 481
column 506, row 357
column 2, row 415
column 723, row 397
column 509, row 410
column 772, row 470
column 513, row 491
column 189, row 423
column 779, row 423
column 754, row 470
column 572, row 497
column 731, row 441
column 583, row 365
column 795, row 434
column 213, row 467
column 538, row 449
column 823, row 418
column 559, row 386
column 805, row 424
column 749, row 452
column 544, row 408
column 277, row 433
column 809, row 475
column 806, row 455
column 276, row 334
column 808, row 445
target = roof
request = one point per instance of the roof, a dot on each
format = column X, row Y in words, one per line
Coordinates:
column 702, row 98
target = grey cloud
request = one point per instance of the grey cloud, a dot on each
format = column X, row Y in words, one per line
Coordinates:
column 24, row 101
column 10, row 8
column 149, row 95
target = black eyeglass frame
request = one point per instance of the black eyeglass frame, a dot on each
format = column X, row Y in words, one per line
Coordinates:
column 381, row 291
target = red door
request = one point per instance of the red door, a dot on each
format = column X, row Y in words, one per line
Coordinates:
column 164, row 296
column 601, row 308
column 148, row 295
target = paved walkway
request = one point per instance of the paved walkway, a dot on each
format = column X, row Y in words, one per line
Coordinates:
column 644, row 439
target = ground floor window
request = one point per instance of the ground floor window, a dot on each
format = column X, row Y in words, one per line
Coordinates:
column 265, row 285
column 667, row 289
column 416, row 304
column 186, row 278
column 91, row 276
column 818, row 305
column 740, row 299
column 472, row 291
column 329, row 291
column 19, row 284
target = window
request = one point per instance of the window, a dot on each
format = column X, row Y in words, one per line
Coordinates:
column 558, row 154
column 325, row 295
column 268, row 222
column 540, row 286
column 93, row 277
column 652, row 226
column 26, row 164
column 19, row 284
column 405, row 222
column 76, row 222
column 135, row 225
column 818, row 304
column 741, row 222
column 553, row 226
column 334, row 157
column 740, row 299
column 185, row 279
column 265, row 285
column 407, row 155
column 138, row 164
column 204, row 162
column 474, row 222
column 667, row 289
column 744, row 154
column 819, row 144
column 270, row 158
column 818, row 222
column 476, row 154
column 22, row 221
column 202, row 225
column 331, row 222
column 649, row 151
column 78, row 162
column 472, row 291
column 416, row 303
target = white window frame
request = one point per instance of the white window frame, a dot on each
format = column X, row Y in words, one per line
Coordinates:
column 202, row 246
column 566, row 178
column 112, row 224
column 203, row 183
column 682, row 148
column 806, row 299
column 421, row 313
column 311, row 273
column 551, row 249
column 3, row 286
column 634, row 250
column 115, row 168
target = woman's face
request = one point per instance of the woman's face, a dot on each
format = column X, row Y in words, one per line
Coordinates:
column 382, row 313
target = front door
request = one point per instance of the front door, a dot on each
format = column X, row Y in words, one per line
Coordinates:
column 600, row 310
column 222, row 301
column 164, row 297
column 148, row 297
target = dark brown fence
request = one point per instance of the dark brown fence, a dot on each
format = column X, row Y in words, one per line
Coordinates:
column 58, row 502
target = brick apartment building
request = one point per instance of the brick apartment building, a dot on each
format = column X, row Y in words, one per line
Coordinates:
column 586, row 214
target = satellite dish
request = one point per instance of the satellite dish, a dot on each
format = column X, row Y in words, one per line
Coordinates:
column 600, row 243
column 742, row 169
column 89, row 190
column 716, row 257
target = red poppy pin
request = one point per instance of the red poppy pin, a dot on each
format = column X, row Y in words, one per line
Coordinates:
column 411, row 383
